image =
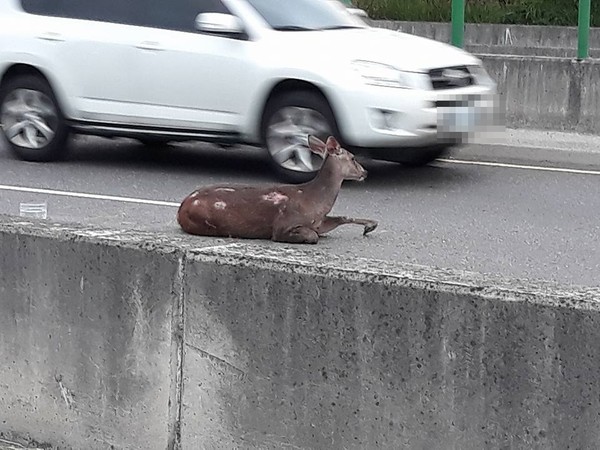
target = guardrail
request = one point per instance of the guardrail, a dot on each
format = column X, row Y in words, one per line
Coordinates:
column 583, row 46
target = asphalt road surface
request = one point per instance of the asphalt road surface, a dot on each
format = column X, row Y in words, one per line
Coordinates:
column 518, row 222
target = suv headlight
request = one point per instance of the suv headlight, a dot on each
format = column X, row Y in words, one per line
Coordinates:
column 378, row 74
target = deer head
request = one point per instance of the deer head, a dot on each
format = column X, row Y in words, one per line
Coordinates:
column 350, row 168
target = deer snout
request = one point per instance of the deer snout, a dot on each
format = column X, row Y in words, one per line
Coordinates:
column 362, row 173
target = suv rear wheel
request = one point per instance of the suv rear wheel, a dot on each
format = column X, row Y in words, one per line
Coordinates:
column 288, row 119
column 31, row 119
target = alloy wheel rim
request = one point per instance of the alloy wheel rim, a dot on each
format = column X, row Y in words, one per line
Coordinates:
column 29, row 118
column 287, row 138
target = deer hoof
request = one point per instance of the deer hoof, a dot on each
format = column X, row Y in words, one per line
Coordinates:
column 370, row 227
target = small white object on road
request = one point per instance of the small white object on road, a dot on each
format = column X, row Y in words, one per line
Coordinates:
column 38, row 210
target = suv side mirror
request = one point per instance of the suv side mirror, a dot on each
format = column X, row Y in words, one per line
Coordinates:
column 358, row 12
column 218, row 23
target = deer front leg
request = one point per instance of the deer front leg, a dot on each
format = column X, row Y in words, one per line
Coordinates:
column 331, row 222
column 296, row 235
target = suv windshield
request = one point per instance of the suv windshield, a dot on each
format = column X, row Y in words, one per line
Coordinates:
column 301, row 15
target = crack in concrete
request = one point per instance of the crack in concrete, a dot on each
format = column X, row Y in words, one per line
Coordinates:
column 66, row 395
column 177, row 354
column 216, row 359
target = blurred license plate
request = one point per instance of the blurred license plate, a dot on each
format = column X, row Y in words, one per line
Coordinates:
column 460, row 119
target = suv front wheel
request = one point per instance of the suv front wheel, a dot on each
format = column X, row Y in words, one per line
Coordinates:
column 288, row 120
column 32, row 122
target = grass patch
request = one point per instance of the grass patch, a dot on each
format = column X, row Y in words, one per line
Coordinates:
column 530, row 12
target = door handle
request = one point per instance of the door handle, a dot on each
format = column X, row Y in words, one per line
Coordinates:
column 51, row 36
column 150, row 45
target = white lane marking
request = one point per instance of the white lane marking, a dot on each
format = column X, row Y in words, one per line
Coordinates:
column 114, row 198
column 521, row 166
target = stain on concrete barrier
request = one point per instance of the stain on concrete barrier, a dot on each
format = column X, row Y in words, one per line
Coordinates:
column 174, row 342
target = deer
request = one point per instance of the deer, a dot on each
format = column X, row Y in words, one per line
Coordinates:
column 290, row 213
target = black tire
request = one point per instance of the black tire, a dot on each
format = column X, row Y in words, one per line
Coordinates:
column 300, row 99
column 154, row 143
column 413, row 157
column 55, row 147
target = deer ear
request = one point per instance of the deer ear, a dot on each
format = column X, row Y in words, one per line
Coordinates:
column 316, row 145
column 333, row 146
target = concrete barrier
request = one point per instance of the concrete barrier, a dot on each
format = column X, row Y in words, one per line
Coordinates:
column 132, row 340
column 547, row 93
column 539, row 92
column 85, row 341
column 502, row 38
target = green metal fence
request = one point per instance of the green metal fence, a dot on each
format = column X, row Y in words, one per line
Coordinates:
column 458, row 22
column 583, row 46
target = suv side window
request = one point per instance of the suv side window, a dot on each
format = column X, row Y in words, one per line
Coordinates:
column 179, row 15
column 117, row 11
column 39, row 7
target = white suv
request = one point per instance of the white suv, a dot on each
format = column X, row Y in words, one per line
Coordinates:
column 257, row 72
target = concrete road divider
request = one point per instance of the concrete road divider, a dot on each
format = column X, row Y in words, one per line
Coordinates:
column 114, row 339
column 547, row 93
column 545, row 89
column 540, row 40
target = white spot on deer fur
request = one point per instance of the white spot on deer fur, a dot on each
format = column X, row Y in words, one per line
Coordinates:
column 225, row 189
column 196, row 202
column 220, row 205
column 195, row 194
column 275, row 197
column 300, row 191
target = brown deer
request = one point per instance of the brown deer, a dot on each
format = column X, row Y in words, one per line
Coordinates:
column 285, row 213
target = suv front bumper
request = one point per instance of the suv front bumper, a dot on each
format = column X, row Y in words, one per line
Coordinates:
column 379, row 117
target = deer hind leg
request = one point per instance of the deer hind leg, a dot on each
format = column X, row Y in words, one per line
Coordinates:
column 296, row 235
column 331, row 222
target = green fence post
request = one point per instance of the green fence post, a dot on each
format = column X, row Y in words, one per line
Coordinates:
column 583, row 33
column 458, row 22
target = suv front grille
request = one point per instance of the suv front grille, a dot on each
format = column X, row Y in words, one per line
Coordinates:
column 451, row 77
